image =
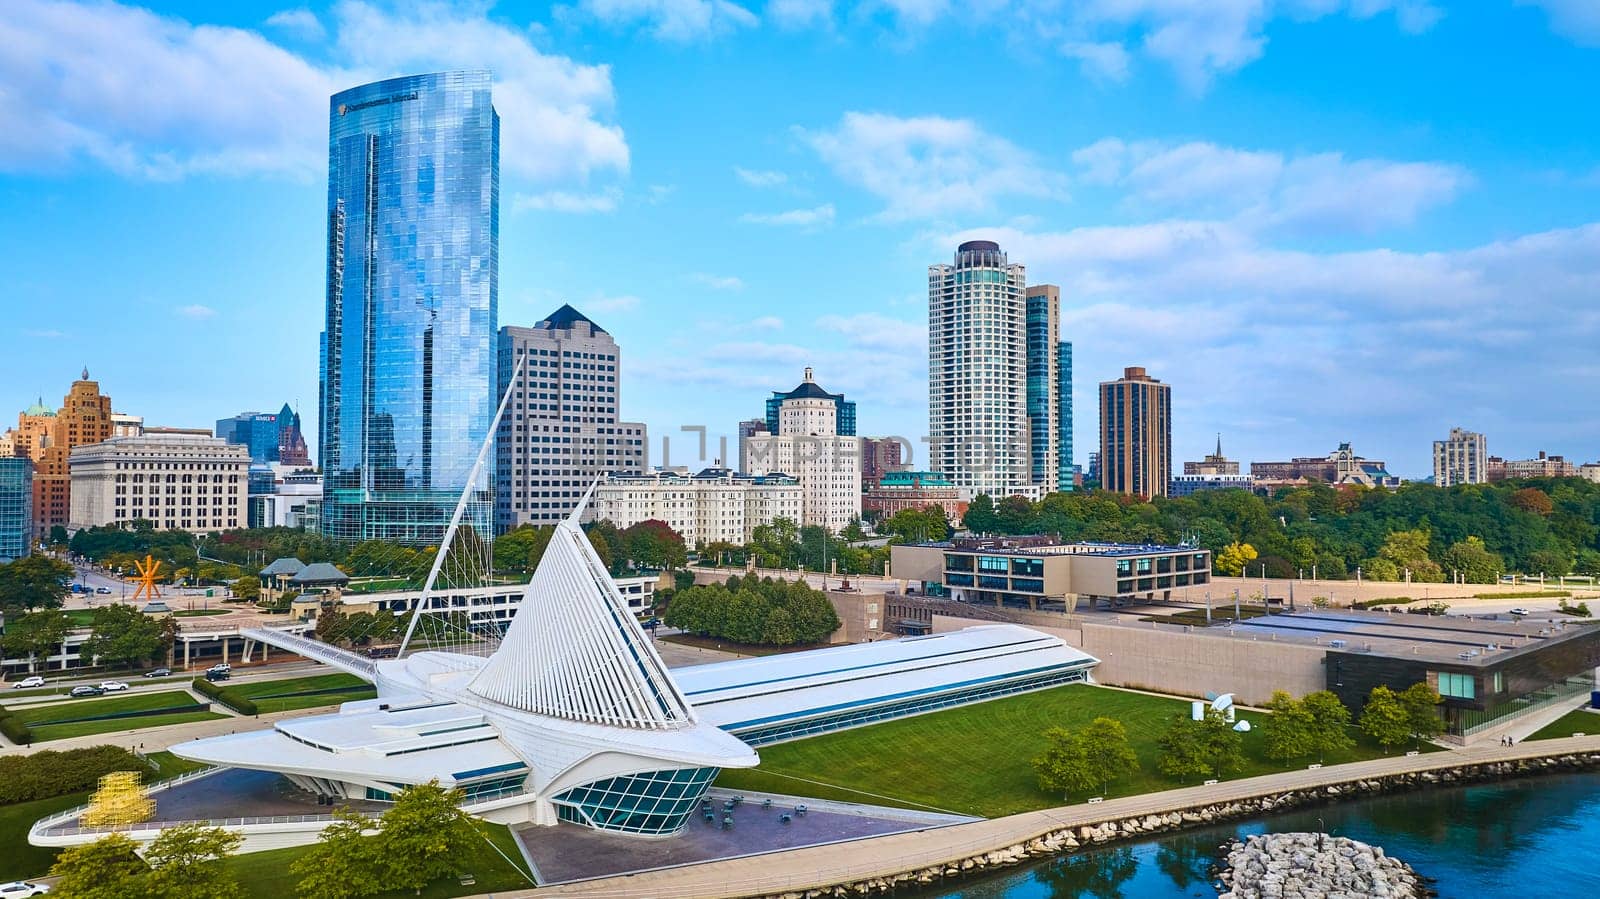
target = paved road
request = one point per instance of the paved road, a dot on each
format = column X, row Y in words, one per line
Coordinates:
column 820, row 866
column 139, row 684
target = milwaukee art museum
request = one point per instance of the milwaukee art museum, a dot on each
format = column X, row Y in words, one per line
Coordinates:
column 575, row 719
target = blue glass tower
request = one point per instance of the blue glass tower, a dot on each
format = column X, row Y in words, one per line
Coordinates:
column 408, row 352
column 1064, row 466
column 16, row 508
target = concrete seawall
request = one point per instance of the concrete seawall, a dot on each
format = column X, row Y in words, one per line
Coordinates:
column 881, row 864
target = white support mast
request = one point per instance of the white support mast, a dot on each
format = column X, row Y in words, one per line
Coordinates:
column 461, row 508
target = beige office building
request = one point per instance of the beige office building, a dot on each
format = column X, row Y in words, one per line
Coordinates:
column 1463, row 458
column 176, row 480
column 809, row 448
column 716, row 505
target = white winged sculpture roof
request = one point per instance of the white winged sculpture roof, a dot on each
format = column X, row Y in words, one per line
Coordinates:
column 574, row 651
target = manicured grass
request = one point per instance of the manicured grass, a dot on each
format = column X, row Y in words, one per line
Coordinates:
column 46, row 732
column 265, row 875
column 199, row 613
column 80, row 617
column 296, row 692
column 1524, row 594
column 19, row 859
column 1578, row 721
column 39, row 717
column 976, row 759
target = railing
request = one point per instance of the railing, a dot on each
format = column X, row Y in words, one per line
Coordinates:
column 315, row 650
column 161, row 825
column 51, row 820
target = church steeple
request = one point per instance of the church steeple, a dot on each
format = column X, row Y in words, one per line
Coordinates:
column 1219, row 444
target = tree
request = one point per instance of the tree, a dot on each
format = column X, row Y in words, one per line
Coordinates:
column 186, row 862
column 35, row 635
column 104, row 869
column 1380, row 570
column 1330, row 722
column 1421, row 704
column 520, row 549
column 654, row 544
column 917, row 525
column 1408, row 550
column 602, row 547
column 1288, row 731
column 1105, row 745
column 425, row 835
column 246, row 589
column 1234, row 557
column 1473, row 560
column 1532, row 500
column 981, row 517
column 1384, row 718
column 1064, row 766
column 346, row 862
column 1209, row 746
column 123, row 635
column 34, row 582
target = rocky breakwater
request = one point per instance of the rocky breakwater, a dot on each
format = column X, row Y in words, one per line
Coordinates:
column 1314, row 866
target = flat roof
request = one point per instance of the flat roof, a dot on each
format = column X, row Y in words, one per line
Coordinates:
column 1452, row 639
column 1082, row 548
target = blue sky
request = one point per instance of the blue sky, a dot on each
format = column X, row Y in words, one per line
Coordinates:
column 1320, row 220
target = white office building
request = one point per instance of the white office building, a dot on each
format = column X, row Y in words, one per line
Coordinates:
column 716, row 505
column 983, row 380
column 562, row 429
column 809, row 447
column 174, row 479
column 1462, row 458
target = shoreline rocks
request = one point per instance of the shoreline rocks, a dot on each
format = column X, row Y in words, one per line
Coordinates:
column 1314, row 866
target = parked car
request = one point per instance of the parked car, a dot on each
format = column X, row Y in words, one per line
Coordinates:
column 1519, row 611
column 220, row 666
column 86, row 690
column 103, row 590
column 159, row 672
column 20, row 888
column 113, row 686
column 27, row 682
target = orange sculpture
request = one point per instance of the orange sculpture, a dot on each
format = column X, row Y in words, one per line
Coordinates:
column 147, row 588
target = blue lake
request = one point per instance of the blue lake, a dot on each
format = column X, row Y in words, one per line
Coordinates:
column 1526, row 838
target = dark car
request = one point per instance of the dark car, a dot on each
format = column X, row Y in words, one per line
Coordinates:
column 159, row 672
column 86, row 690
column 216, row 674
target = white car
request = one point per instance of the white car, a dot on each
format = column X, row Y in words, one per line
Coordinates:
column 220, row 667
column 1519, row 612
column 20, row 888
column 25, row 683
column 113, row 686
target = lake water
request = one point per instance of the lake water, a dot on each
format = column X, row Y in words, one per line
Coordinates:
column 1528, row 838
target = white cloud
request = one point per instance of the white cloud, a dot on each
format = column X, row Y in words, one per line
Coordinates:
column 757, row 178
column 1101, row 61
column 718, row 282
column 800, row 13
column 817, row 217
column 1576, row 20
column 1265, row 189
column 567, row 201
column 45, row 334
column 871, row 331
column 930, row 166
column 624, row 303
column 672, row 20
column 158, row 97
column 196, row 311
column 301, row 23
column 765, row 323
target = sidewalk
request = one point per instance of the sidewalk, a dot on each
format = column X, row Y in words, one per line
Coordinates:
column 821, row 866
column 158, row 738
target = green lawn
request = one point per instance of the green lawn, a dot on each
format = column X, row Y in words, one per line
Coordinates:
column 297, row 692
column 80, row 617
column 1574, row 722
column 39, row 717
column 199, row 613
column 265, row 875
column 22, row 860
column 975, row 759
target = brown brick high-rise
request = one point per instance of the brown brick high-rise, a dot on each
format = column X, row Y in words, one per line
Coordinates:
column 85, row 417
column 1136, row 434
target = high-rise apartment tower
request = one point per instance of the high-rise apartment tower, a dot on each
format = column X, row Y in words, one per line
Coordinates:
column 1136, row 434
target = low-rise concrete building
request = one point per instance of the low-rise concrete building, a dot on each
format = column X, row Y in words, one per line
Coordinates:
column 1040, row 572
column 173, row 479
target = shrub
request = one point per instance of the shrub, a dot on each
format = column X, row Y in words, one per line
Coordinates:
column 24, row 778
column 14, row 728
column 229, row 697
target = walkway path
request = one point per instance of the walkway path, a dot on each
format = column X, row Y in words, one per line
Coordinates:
column 882, row 856
column 154, row 739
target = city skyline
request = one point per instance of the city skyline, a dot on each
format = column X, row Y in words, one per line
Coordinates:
column 1309, row 260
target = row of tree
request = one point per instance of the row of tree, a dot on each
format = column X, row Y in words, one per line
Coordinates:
column 755, row 611
column 423, row 838
column 1475, row 531
column 120, row 636
column 1089, row 759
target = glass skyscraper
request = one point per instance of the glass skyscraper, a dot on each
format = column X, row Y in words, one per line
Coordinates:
column 408, row 354
column 16, row 508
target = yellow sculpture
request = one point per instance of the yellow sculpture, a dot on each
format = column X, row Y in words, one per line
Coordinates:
column 147, row 578
column 120, row 800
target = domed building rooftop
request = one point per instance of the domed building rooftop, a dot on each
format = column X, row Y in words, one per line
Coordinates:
column 39, row 408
